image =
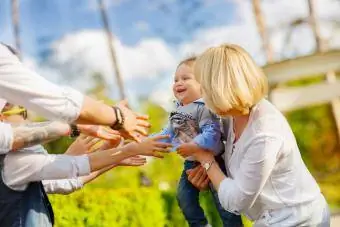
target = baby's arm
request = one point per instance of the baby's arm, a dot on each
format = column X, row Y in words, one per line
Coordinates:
column 210, row 135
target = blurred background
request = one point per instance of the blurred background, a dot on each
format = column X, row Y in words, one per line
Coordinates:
column 114, row 49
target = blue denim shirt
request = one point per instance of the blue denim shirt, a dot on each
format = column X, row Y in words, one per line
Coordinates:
column 194, row 123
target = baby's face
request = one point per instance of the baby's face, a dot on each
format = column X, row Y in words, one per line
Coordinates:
column 186, row 89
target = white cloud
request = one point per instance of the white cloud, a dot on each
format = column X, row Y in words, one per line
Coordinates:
column 87, row 52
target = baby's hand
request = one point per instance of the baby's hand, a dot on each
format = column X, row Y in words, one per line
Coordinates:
column 187, row 149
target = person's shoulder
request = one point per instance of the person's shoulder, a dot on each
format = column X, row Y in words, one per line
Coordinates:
column 267, row 119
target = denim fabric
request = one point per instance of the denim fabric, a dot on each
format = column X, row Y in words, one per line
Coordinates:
column 28, row 208
column 188, row 200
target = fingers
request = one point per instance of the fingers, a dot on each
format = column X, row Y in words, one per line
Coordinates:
column 193, row 172
column 92, row 142
column 160, row 137
column 157, row 155
column 196, row 177
column 134, row 136
column 162, row 150
column 142, row 130
column 123, row 102
column 204, row 184
column 142, row 117
column 163, row 145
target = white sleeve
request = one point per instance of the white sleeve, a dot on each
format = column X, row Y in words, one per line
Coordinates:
column 64, row 186
column 24, row 87
column 21, row 168
column 6, row 138
column 238, row 194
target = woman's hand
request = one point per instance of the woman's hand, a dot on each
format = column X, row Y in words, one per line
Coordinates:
column 133, row 161
column 81, row 145
column 149, row 147
column 98, row 131
column 198, row 177
column 192, row 149
column 135, row 125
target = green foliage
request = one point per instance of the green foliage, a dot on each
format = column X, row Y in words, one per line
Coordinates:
column 125, row 208
column 101, row 207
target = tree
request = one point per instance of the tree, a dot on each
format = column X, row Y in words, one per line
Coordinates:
column 260, row 22
column 16, row 27
column 112, row 49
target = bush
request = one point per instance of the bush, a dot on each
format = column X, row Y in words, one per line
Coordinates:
column 99, row 207
column 124, row 207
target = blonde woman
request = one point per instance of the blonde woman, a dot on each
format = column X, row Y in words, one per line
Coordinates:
column 267, row 179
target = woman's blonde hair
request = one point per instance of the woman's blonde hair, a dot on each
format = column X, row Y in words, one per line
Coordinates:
column 230, row 79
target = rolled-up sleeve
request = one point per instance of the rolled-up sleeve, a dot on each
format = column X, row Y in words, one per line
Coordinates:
column 64, row 186
column 20, row 168
column 238, row 194
column 24, row 87
column 6, row 138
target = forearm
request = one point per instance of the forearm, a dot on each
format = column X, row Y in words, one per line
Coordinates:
column 215, row 175
column 95, row 174
column 91, row 108
column 26, row 135
column 102, row 159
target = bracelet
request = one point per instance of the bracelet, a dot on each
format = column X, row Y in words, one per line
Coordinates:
column 207, row 165
column 75, row 132
column 120, row 119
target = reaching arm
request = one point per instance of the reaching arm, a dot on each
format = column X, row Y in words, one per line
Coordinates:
column 24, row 87
column 239, row 193
column 29, row 134
column 67, row 186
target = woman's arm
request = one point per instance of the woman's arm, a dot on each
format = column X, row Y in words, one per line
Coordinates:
column 66, row 186
column 24, row 87
column 239, row 193
column 24, row 167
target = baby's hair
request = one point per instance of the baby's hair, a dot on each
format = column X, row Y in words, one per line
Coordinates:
column 188, row 61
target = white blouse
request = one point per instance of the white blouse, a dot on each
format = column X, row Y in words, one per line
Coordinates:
column 265, row 168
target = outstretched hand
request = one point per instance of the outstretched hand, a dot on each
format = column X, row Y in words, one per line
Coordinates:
column 135, row 125
column 98, row 131
column 82, row 145
column 133, row 161
column 150, row 147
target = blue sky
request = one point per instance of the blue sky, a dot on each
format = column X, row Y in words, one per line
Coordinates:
column 44, row 21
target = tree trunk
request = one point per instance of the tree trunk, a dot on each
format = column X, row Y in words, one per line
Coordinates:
column 322, row 47
column 16, row 27
column 260, row 22
column 112, row 49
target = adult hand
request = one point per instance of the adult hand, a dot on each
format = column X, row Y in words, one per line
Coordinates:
column 98, row 131
column 150, row 147
column 133, row 161
column 188, row 149
column 192, row 149
column 198, row 177
column 135, row 125
column 82, row 145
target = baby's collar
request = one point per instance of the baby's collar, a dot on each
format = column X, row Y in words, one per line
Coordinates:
column 198, row 101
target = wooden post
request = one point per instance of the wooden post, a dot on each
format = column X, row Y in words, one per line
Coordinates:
column 16, row 25
column 261, row 27
column 322, row 47
column 112, row 49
